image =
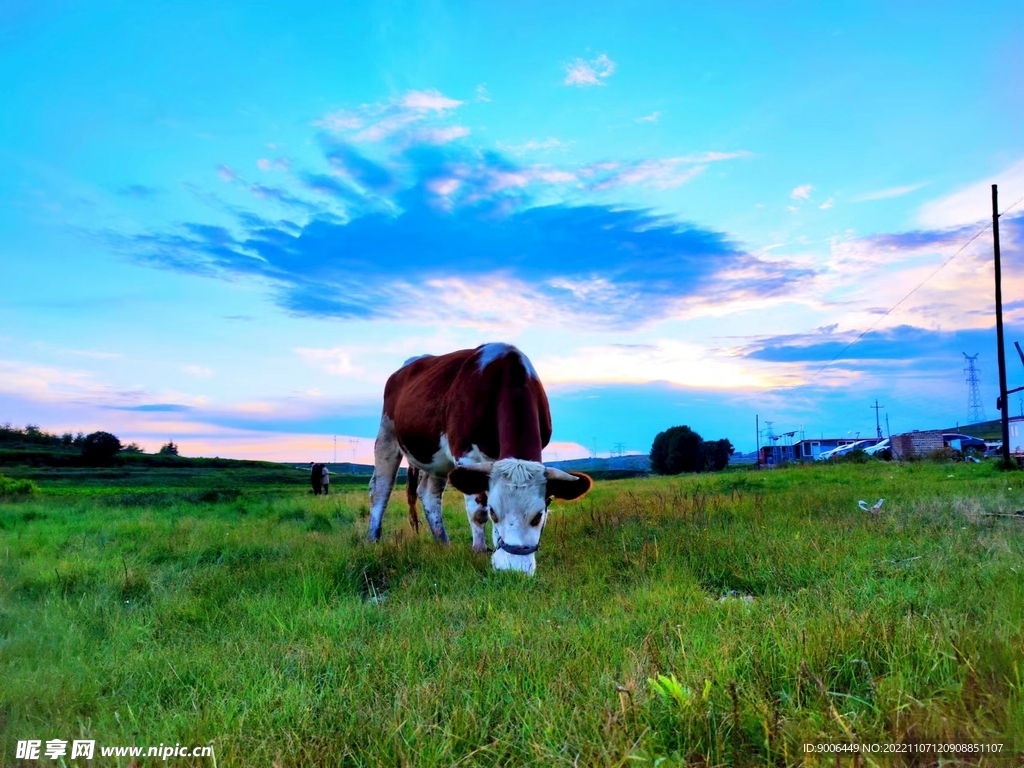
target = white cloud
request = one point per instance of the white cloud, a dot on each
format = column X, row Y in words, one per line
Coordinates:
column 533, row 145
column 280, row 164
column 803, row 192
column 440, row 135
column 827, row 204
column 586, row 73
column 430, row 100
column 481, row 93
column 341, row 120
column 659, row 174
column 885, row 194
column 336, row 361
column 664, row 360
column 377, row 122
column 651, row 118
column 973, row 204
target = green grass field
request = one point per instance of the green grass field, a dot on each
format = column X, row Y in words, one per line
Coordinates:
column 710, row 620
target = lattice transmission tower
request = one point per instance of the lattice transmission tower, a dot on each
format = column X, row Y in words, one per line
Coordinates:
column 975, row 410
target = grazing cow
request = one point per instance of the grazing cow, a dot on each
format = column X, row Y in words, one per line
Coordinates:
column 316, row 477
column 479, row 419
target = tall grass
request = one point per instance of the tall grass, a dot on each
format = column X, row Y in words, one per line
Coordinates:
column 715, row 620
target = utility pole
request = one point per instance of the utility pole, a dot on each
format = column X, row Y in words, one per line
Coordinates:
column 335, row 449
column 999, row 328
column 887, row 430
column 878, row 425
column 757, row 431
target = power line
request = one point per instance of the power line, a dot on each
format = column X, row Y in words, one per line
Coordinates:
column 870, row 328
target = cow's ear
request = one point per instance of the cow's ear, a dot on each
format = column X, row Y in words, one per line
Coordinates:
column 471, row 480
column 567, row 485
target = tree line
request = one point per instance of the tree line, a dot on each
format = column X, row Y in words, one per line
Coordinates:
column 680, row 449
column 97, row 448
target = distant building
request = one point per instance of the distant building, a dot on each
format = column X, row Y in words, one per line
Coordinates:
column 1016, row 436
column 808, row 449
column 917, row 443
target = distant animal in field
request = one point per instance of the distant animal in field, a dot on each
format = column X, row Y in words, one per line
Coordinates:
column 316, row 477
column 477, row 418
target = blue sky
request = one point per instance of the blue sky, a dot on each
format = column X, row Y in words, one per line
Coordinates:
column 226, row 225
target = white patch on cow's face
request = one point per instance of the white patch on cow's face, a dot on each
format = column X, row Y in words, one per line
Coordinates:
column 517, row 510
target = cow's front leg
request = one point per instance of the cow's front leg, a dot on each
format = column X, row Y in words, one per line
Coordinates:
column 387, row 455
column 476, row 511
column 431, row 489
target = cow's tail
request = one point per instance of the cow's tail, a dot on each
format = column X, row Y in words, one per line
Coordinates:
column 412, row 480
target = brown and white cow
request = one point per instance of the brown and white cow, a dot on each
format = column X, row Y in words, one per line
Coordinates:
column 478, row 418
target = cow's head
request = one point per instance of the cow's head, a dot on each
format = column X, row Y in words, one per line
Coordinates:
column 518, row 493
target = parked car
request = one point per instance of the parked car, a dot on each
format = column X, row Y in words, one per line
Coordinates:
column 842, row 450
column 878, row 448
column 964, row 443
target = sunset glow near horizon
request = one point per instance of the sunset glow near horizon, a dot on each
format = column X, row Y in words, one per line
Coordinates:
column 226, row 226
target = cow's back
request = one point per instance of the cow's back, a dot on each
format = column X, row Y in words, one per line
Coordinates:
column 495, row 404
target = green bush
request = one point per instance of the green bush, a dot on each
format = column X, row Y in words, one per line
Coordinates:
column 99, row 449
column 10, row 487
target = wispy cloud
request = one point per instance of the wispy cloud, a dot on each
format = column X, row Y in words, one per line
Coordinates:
column 481, row 93
column 336, row 361
column 383, row 228
column 199, row 371
column 663, row 173
column 279, row 164
column 533, row 145
column 972, row 203
column 827, row 204
column 651, row 118
column 885, row 194
column 803, row 192
column 428, row 101
column 583, row 73
column 381, row 121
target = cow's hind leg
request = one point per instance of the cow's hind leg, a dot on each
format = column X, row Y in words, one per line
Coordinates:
column 386, row 458
column 411, row 489
column 476, row 511
column 431, row 489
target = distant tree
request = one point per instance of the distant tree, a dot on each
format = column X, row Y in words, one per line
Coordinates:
column 716, row 454
column 100, row 448
column 67, row 438
column 79, row 439
column 168, row 449
column 132, row 448
column 677, row 449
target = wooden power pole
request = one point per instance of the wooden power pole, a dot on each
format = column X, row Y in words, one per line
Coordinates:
column 1003, row 404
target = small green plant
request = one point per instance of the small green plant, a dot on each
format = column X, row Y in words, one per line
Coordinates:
column 15, row 488
column 319, row 524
